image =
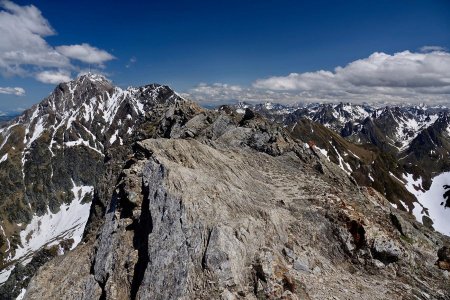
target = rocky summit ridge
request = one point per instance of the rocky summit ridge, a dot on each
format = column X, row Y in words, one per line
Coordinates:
column 401, row 151
column 189, row 203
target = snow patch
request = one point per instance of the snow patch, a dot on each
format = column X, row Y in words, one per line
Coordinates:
column 140, row 107
column 323, row 151
column 68, row 222
column 431, row 201
column 38, row 129
column 398, row 179
column 22, row 294
column 342, row 163
column 82, row 142
column 4, row 274
column 113, row 137
column 354, row 155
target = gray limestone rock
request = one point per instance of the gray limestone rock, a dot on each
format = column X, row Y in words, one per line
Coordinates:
column 211, row 226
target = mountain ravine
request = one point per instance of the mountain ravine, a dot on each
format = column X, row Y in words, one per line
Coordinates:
column 141, row 194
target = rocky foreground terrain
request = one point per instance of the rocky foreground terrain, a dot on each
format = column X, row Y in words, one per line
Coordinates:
column 190, row 220
column 217, row 204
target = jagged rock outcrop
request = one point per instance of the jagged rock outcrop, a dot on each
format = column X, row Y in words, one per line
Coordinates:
column 60, row 155
column 224, row 221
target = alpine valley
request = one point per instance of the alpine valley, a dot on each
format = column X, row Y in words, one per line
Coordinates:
column 138, row 193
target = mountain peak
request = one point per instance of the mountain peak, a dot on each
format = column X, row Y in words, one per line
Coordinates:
column 83, row 80
column 94, row 77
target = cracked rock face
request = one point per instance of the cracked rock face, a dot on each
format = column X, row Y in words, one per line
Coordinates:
column 230, row 217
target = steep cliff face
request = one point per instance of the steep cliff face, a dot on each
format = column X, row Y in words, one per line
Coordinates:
column 217, row 218
column 59, row 156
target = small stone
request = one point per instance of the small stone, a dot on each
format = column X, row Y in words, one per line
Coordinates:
column 132, row 197
column 385, row 250
column 189, row 133
column 300, row 266
column 227, row 295
column 378, row 264
column 288, row 253
column 317, row 270
column 444, row 265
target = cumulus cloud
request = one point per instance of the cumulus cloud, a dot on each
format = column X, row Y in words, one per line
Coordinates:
column 18, row 91
column 400, row 70
column 22, row 32
column 381, row 77
column 217, row 90
column 53, row 77
column 226, row 93
column 25, row 52
column 85, row 53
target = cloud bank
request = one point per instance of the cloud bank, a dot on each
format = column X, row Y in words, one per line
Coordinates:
column 401, row 77
column 18, row 91
column 25, row 52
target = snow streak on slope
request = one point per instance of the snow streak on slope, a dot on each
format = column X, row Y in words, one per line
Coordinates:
column 342, row 163
column 431, row 201
column 50, row 228
column 409, row 128
column 22, row 294
column 323, row 151
column 4, row 274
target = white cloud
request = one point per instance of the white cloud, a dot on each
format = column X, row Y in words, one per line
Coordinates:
column 225, row 93
column 85, row 53
column 217, row 90
column 29, row 16
column 18, row 91
column 432, row 48
column 22, row 32
column 405, row 71
column 401, row 77
column 25, row 52
column 53, row 77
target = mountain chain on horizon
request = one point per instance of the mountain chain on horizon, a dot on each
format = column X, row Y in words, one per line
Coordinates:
column 138, row 193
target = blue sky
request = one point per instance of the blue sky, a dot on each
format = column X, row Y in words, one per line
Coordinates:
column 214, row 51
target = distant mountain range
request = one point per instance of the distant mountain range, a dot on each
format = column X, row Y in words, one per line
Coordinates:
column 7, row 117
column 398, row 150
column 138, row 193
